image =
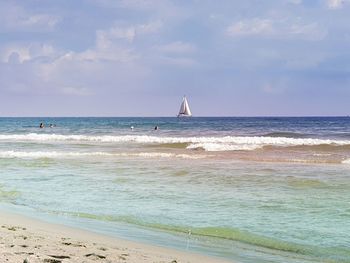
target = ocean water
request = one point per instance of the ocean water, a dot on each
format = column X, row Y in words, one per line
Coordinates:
column 246, row 189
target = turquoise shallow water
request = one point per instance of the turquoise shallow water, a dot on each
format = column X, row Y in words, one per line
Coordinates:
column 247, row 189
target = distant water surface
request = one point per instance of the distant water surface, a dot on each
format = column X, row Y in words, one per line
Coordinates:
column 247, row 189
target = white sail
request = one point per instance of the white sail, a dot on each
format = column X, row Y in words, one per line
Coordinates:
column 184, row 108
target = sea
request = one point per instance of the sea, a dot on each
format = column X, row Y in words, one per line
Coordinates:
column 252, row 190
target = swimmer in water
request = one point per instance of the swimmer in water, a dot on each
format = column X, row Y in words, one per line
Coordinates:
column 41, row 125
column 156, row 128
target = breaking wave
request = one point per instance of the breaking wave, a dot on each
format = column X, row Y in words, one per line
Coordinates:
column 347, row 161
column 215, row 147
column 225, row 143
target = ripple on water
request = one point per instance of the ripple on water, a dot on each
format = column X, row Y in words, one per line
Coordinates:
column 8, row 196
column 181, row 173
column 296, row 182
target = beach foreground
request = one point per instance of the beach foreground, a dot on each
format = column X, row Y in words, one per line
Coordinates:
column 29, row 240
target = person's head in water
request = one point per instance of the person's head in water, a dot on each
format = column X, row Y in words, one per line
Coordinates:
column 156, row 128
column 41, row 125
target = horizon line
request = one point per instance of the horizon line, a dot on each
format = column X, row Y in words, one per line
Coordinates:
column 200, row 116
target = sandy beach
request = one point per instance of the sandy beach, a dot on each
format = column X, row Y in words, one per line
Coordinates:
column 28, row 240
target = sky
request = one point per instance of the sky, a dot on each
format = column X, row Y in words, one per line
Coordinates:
column 139, row 57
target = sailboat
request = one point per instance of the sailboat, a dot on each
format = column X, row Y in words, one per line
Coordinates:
column 184, row 109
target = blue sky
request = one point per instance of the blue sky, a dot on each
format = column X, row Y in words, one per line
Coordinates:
column 138, row 58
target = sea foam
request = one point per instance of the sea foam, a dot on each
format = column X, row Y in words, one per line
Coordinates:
column 215, row 147
column 346, row 161
column 225, row 143
column 161, row 139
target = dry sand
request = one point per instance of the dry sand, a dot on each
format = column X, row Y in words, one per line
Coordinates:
column 27, row 240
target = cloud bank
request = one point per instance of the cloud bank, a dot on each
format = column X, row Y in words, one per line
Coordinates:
column 129, row 58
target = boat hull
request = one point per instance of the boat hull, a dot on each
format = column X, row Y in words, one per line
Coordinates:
column 183, row 116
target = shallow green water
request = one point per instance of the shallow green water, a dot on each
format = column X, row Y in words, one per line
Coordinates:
column 223, row 203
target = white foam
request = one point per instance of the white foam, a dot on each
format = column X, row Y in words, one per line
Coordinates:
column 154, row 139
column 54, row 154
column 225, row 143
column 346, row 161
column 215, row 147
column 321, row 154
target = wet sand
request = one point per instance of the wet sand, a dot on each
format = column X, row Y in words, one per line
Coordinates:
column 28, row 240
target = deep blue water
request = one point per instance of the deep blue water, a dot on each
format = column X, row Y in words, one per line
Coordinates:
column 328, row 127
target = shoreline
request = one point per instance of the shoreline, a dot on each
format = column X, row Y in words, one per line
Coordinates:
column 29, row 240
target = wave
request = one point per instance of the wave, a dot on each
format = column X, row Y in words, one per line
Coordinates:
column 260, row 140
column 54, row 154
column 229, row 233
column 159, row 139
column 216, row 147
column 8, row 195
column 305, row 183
column 286, row 134
column 225, row 143
column 346, row 161
column 217, row 232
column 146, row 155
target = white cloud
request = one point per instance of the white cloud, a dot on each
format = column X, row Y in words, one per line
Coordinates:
column 71, row 74
column 112, row 53
column 105, row 37
column 128, row 33
column 16, row 18
column 282, row 29
column 37, row 21
column 114, row 44
column 66, row 72
column 255, row 26
column 335, row 4
column 149, row 28
column 21, row 53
